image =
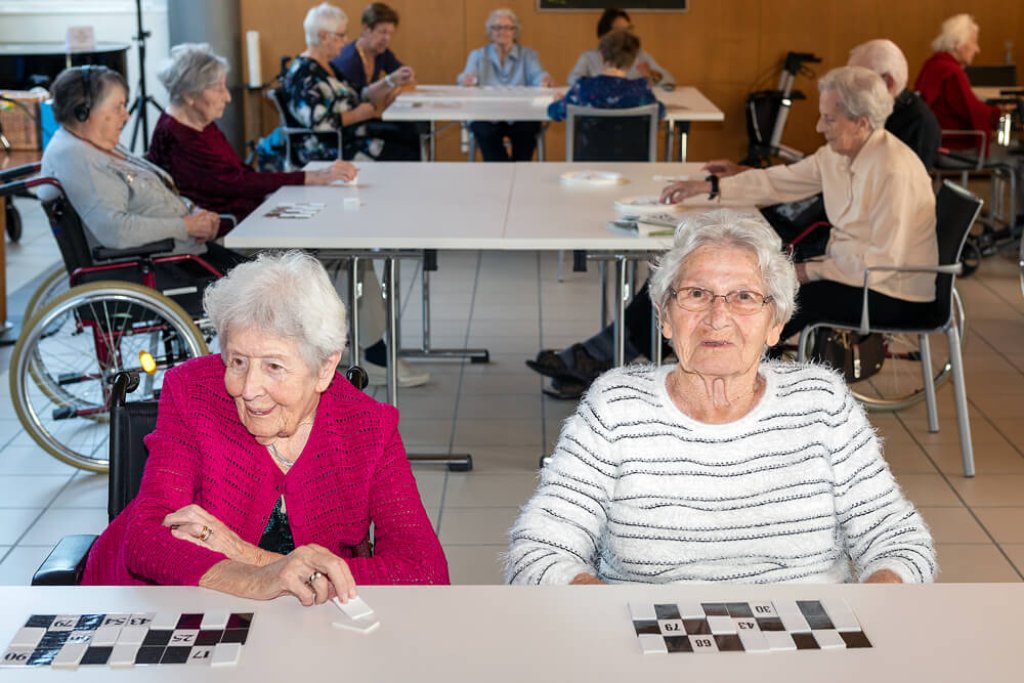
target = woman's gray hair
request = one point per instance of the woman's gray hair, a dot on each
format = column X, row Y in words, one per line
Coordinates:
column 729, row 229
column 498, row 14
column 862, row 94
column 885, row 58
column 955, row 31
column 191, row 69
column 323, row 17
column 285, row 294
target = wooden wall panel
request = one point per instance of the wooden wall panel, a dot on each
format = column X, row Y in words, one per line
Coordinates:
column 727, row 49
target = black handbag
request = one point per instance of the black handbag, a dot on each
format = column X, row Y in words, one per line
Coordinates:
column 857, row 356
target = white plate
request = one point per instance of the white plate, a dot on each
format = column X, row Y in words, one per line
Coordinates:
column 642, row 205
column 594, row 178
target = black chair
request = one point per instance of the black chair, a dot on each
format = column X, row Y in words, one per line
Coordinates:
column 992, row 75
column 130, row 423
column 956, row 210
column 593, row 134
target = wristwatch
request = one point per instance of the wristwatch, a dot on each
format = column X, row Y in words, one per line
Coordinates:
column 713, row 179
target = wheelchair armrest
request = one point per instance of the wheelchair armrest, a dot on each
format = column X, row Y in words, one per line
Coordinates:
column 228, row 218
column 148, row 249
column 65, row 563
column 9, row 174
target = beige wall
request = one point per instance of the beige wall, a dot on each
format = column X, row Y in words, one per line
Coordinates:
column 726, row 48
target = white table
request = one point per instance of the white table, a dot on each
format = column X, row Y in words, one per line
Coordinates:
column 433, row 103
column 951, row 632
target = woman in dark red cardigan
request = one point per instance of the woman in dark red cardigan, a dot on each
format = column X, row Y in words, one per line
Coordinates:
column 267, row 469
column 188, row 144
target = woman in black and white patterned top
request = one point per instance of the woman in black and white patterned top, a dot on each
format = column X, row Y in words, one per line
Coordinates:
column 724, row 467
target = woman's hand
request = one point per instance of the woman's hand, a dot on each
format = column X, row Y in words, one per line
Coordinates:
column 403, row 75
column 677, row 192
column 586, row 579
column 468, row 80
column 202, row 225
column 194, row 524
column 884, row 576
column 339, row 170
column 311, row 573
column 724, row 167
column 547, row 81
column 801, row 273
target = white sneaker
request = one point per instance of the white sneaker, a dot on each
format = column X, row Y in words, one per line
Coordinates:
column 408, row 376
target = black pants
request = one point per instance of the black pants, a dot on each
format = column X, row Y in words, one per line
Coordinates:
column 826, row 300
column 490, row 137
column 401, row 139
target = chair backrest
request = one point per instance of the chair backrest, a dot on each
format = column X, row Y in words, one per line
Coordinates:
column 131, row 422
column 993, row 75
column 593, row 134
column 956, row 209
column 280, row 100
column 66, row 226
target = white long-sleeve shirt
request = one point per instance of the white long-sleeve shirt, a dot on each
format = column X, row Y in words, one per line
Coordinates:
column 796, row 490
column 881, row 206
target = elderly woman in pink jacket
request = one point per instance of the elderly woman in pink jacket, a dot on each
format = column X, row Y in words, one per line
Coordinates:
column 267, row 469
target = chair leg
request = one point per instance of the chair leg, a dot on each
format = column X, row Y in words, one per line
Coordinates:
column 929, row 383
column 963, row 420
column 560, row 268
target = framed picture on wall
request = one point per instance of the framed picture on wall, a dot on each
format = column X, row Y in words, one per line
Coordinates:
column 659, row 5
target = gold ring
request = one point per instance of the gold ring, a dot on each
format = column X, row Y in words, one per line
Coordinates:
column 313, row 577
column 207, row 532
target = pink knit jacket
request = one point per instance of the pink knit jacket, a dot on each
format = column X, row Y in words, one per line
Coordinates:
column 352, row 472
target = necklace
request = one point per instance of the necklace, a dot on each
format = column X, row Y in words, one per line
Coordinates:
column 284, row 462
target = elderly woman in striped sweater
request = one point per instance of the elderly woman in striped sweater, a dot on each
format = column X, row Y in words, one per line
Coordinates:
column 724, row 467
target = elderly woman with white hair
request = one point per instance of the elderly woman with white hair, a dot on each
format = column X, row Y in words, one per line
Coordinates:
column 723, row 467
column 268, row 473
column 878, row 198
column 319, row 98
column 504, row 62
column 188, row 144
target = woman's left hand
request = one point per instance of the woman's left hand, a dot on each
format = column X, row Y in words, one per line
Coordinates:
column 884, row 576
column 194, row 524
column 403, row 75
column 677, row 192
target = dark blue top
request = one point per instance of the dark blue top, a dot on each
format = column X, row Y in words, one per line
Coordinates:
column 349, row 65
column 606, row 92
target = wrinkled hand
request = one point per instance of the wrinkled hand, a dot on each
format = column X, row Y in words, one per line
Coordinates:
column 801, row 273
column 547, row 82
column 723, row 167
column 468, row 80
column 339, row 170
column 402, row 75
column 884, row 576
column 677, row 192
column 202, row 225
column 194, row 524
column 290, row 576
column 586, row 579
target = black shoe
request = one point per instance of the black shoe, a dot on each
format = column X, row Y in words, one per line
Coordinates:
column 565, row 390
column 585, row 368
column 549, row 364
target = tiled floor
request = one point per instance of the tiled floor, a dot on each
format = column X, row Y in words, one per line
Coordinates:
column 512, row 305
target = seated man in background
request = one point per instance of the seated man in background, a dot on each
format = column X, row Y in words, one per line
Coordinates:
column 611, row 89
column 591, row 62
column 368, row 60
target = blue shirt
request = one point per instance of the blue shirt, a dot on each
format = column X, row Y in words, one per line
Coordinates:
column 349, row 64
column 606, row 92
column 521, row 67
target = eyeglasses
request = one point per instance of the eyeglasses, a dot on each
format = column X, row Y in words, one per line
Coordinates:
column 741, row 301
column 340, row 36
column 503, row 27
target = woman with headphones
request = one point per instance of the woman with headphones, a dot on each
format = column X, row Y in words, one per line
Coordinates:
column 123, row 200
column 504, row 62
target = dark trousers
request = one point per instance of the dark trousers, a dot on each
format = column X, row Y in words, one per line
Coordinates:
column 490, row 137
column 401, row 139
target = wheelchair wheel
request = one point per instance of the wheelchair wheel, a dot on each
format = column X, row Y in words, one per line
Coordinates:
column 900, row 384
column 72, row 347
column 54, row 284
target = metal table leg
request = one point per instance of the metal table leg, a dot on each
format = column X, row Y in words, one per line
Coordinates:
column 684, row 130
column 670, row 139
column 620, row 310
column 353, row 311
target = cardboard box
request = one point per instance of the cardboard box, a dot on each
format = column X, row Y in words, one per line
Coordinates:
column 19, row 118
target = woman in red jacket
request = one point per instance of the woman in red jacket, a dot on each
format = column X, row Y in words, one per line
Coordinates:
column 267, row 469
column 188, row 144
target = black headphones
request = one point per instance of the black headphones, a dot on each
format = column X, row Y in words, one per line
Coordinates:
column 83, row 109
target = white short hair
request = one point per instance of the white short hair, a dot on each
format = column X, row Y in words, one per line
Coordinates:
column 862, row 94
column 885, row 58
column 498, row 14
column 955, row 31
column 287, row 295
column 323, row 17
column 191, row 69
column 729, row 229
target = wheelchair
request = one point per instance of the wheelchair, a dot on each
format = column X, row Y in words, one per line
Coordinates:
column 105, row 311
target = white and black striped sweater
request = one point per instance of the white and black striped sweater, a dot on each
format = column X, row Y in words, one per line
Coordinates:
column 796, row 490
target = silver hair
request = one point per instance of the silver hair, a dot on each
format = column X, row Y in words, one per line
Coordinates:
column 284, row 294
column 885, row 58
column 729, row 229
column 191, row 69
column 862, row 94
column 955, row 31
column 498, row 14
column 323, row 17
